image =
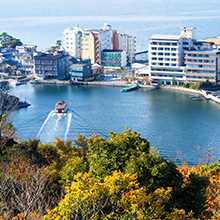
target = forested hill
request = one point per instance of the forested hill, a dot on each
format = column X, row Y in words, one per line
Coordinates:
column 120, row 177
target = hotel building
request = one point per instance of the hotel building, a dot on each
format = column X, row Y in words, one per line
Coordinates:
column 202, row 63
column 166, row 56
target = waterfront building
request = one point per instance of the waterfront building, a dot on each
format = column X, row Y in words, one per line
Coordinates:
column 166, row 56
column 89, row 43
column 81, row 71
column 114, row 58
column 202, row 63
column 140, row 70
column 72, row 41
column 97, row 70
column 49, row 66
column 128, row 44
column 93, row 42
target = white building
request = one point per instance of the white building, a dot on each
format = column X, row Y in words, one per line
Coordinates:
column 127, row 43
column 166, row 56
column 72, row 41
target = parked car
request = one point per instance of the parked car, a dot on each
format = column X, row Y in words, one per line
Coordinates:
column 215, row 94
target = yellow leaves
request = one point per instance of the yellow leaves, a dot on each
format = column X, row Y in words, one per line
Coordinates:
column 154, row 150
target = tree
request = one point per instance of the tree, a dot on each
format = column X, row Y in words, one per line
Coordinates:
column 7, row 40
column 8, row 104
column 24, row 188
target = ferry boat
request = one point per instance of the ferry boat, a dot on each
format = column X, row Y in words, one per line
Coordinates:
column 61, row 107
column 131, row 88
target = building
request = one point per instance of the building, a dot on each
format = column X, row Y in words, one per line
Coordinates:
column 93, row 42
column 90, row 48
column 97, row 70
column 114, row 58
column 81, row 71
column 49, row 66
column 72, row 41
column 128, row 44
column 202, row 63
column 89, row 44
column 166, row 56
column 30, row 49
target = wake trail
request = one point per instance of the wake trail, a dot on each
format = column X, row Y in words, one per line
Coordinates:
column 48, row 117
column 68, row 125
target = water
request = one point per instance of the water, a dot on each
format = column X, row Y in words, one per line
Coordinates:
column 42, row 22
column 171, row 121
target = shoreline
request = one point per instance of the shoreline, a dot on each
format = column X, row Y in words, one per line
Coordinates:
column 124, row 84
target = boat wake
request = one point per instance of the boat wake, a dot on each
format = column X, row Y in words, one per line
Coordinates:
column 55, row 125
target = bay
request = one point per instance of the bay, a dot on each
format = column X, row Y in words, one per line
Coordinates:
column 170, row 120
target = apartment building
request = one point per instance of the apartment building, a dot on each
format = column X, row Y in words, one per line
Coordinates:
column 72, row 41
column 202, row 63
column 89, row 44
column 80, row 71
column 128, row 44
column 49, row 66
column 114, row 58
column 166, row 56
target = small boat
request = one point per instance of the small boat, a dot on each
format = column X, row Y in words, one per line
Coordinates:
column 61, row 107
column 13, row 82
column 23, row 104
column 131, row 88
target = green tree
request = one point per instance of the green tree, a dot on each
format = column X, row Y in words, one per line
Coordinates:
column 7, row 40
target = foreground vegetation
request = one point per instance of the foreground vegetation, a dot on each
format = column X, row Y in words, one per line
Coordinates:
column 120, row 177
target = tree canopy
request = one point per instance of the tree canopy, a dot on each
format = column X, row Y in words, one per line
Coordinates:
column 7, row 40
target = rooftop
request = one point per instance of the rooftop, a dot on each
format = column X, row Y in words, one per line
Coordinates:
column 50, row 56
column 112, row 51
column 165, row 37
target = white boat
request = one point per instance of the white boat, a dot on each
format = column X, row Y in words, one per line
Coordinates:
column 13, row 82
column 61, row 107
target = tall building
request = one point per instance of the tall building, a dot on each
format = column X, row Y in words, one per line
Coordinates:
column 72, row 41
column 93, row 42
column 166, row 56
column 89, row 44
column 127, row 43
column 202, row 63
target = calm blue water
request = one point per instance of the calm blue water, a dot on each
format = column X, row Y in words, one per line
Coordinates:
column 171, row 121
column 42, row 22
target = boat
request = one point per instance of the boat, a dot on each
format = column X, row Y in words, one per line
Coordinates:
column 13, row 82
column 23, row 104
column 131, row 88
column 61, row 107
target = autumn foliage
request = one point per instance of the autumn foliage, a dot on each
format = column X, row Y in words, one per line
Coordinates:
column 119, row 177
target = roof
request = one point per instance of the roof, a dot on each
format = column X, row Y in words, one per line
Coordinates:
column 50, row 56
column 215, row 40
column 10, row 63
column 165, row 37
column 96, row 65
column 6, row 56
column 112, row 51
